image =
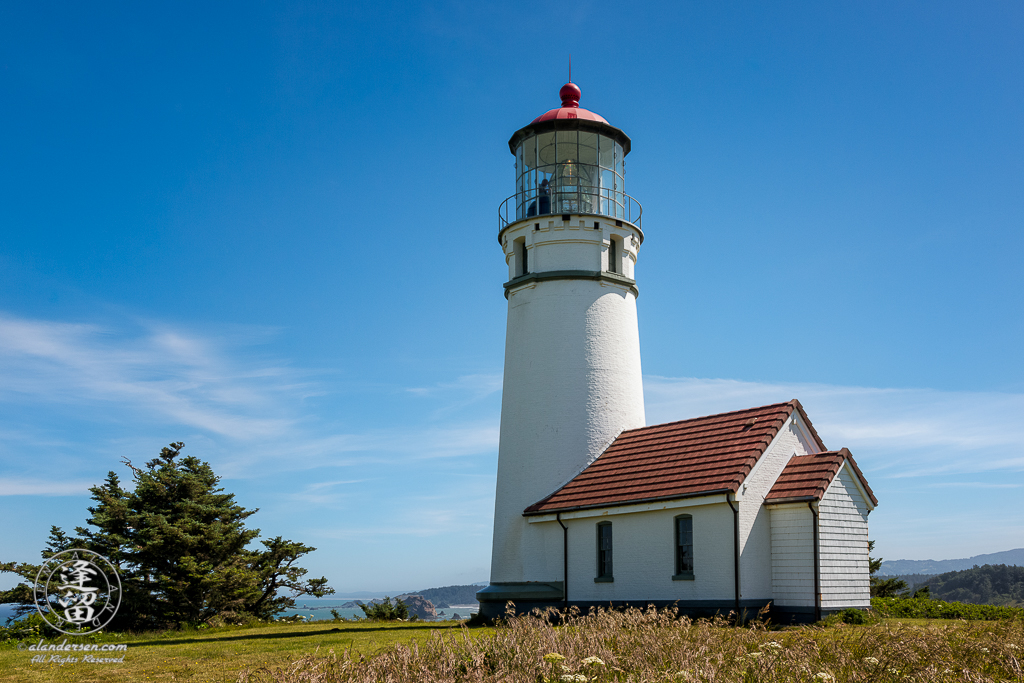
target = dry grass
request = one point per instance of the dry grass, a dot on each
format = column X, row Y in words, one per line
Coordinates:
column 655, row 646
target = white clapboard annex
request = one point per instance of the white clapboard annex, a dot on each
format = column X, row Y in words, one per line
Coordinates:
column 730, row 512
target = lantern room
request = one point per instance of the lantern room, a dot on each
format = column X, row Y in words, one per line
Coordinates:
column 569, row 161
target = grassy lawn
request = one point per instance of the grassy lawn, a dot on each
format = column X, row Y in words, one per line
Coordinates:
column 630, row 646
column 907, row 621
column 215, row 654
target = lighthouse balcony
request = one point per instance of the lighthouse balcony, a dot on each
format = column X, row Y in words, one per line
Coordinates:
column 576, row 200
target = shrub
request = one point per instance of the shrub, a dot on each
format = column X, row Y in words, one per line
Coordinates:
column 924, row 608
column 385, row 611
column 850, row 615
column 293, row 619
column 29, row 626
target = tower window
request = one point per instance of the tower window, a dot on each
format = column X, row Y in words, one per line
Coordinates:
column 521, row 256
column 613, row 256
column 604, row 552
column 684, row 548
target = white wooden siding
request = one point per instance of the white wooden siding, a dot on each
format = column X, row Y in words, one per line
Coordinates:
column 843, row 543
column 792, row 556
column 643, row 555
column 755, row 525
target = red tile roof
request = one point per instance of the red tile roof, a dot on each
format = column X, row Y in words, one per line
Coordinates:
column 681, row 459
column 806, row 477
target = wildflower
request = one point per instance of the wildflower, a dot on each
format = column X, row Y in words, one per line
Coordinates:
column 984, row 649
column 553, row 657
column 894, row 672
column 822, row 676
column 754, row 655
column 574, row 678
column 590, row 661
column 772, row 645
column 871, row 660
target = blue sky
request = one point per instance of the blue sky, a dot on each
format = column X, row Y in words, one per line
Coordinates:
column 268, row 230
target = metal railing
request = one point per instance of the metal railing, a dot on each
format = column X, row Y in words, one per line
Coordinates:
column 579, row 200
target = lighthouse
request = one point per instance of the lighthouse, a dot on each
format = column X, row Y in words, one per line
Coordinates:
column 735, row 512
column 570, row 236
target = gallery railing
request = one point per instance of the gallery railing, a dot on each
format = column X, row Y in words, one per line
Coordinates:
column 574, row 200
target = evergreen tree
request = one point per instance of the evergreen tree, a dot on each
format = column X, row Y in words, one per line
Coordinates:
column 385, row 611
column 22, row 595
column 180, row 546
column 883, row 588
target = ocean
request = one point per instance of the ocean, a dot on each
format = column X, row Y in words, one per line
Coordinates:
column 320, row 610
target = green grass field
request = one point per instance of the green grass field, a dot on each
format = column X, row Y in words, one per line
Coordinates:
column 215, row 654
column 603, row 647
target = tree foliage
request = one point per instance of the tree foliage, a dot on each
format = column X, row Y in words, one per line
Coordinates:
column 385, row 611
column 181, row 548
column 990, row 584
column 925, row 608
column 883, row 588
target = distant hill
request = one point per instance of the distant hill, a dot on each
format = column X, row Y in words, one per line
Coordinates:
column 986, row 585
column 902, row 567
column 450, row 595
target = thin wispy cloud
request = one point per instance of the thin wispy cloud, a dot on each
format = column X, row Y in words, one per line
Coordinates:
column 250, row 414
column 453, row 396
column 972, row 485
column 378, row 447
column 156, row 373
column 329, row 484
column 474, row 386
column 425, row 517
column 43, row 487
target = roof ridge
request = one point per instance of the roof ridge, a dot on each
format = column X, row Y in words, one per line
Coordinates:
column 676, row 447
column 711, row 430
column 707, row 417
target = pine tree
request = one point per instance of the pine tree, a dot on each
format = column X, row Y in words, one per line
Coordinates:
column 882, row 588
column 180, row 545
column 385, row 611
column 22, row 595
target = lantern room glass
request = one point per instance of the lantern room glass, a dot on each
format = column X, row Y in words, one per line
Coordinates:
column 569, row 172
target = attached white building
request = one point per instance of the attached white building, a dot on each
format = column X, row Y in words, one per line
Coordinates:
column 728, row 512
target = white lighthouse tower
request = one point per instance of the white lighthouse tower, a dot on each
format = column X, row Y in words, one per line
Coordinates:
column 570, row 235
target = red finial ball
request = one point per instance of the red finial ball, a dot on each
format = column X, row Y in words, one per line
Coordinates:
column 570, row 94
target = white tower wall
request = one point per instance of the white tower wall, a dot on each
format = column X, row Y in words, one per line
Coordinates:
column 572, row 375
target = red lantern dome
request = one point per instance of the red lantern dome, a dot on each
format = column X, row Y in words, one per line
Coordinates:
column 570, row 109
